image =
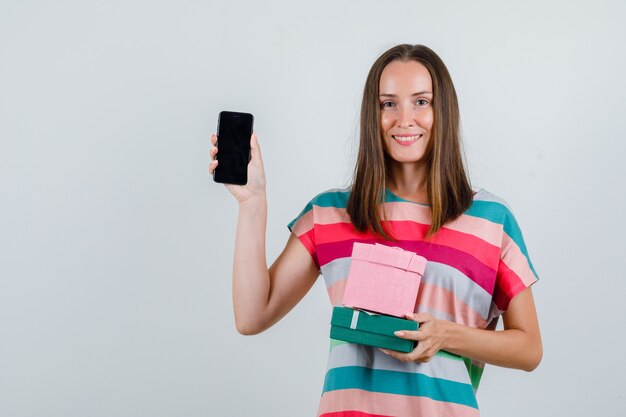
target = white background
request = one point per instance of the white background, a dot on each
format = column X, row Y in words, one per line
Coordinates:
column 116, row 246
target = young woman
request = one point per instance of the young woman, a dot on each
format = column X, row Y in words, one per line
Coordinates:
column 410, row 190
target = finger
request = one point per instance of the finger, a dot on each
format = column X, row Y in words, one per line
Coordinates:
column 423, row 355
column 213, row 139
column 213, row 152
column 410, row 334
column 212, row 166
column 254, row 141
column 255, row 149
column 419, row 317
column 404, row 357
column 419, row 354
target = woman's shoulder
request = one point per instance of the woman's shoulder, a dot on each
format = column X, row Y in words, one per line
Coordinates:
column 495, row 209
column 334, row 197
column 488, row 204
column 480, row 194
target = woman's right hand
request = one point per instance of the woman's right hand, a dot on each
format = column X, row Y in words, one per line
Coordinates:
column 255, row 187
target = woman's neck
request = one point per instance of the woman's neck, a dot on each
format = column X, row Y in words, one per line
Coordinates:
column 409, row 181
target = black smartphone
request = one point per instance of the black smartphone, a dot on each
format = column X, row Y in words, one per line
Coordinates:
column 233, row 141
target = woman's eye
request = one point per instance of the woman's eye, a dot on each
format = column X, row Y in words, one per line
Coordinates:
column 387, row 104
column 421, row 102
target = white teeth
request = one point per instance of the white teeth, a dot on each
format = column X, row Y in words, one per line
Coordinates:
column 406, row 138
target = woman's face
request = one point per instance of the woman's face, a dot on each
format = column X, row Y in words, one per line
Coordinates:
column 406, row 115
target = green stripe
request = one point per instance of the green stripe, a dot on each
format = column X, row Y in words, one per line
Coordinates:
column 337, row 199
column 448, row 355
column 475, row 372
column 401, row 383
column 334, row 343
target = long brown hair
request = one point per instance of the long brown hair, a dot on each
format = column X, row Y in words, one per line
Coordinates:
column 449, row 190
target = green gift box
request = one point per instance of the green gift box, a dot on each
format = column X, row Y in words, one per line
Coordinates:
column 370, row 329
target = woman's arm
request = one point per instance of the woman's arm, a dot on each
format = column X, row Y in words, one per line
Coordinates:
column 517, row 346
column 262, row 296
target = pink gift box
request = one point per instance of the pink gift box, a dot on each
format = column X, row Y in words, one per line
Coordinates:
column 383, row 279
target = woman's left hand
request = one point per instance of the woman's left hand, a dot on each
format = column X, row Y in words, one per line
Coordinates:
column 430, row 337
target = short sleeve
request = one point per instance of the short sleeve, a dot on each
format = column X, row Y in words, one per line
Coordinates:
column 303, row 227
column 515, row 270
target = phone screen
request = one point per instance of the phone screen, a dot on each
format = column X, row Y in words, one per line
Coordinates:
column 233, row 141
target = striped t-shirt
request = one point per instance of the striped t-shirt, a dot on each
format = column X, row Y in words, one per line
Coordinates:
column 476, row 265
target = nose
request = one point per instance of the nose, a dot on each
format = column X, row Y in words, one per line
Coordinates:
column 406, row 117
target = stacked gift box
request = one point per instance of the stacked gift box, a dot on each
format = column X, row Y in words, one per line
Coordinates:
column 381, row 288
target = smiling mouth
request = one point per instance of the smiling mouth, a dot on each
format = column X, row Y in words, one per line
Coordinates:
column 406, row 138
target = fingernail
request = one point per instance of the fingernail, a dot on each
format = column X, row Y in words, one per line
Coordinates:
column 399, row 333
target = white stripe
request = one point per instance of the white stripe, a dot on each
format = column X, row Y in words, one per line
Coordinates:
column 355, row 319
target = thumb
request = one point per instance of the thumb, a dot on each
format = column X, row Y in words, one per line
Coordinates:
column 255, row 148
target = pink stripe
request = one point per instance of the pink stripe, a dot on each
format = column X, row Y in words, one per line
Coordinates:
column 441, row 299
column 304, row 224
column 390, row 404
column 331, row 215
column 484, row 229
column 351, row 414
column 516, row 261
column 410, row 231
column 408, row 211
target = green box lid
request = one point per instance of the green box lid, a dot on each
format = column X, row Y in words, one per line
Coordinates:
column 371, row 329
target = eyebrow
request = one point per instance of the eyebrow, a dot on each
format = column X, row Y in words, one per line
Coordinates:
column 412, row 95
